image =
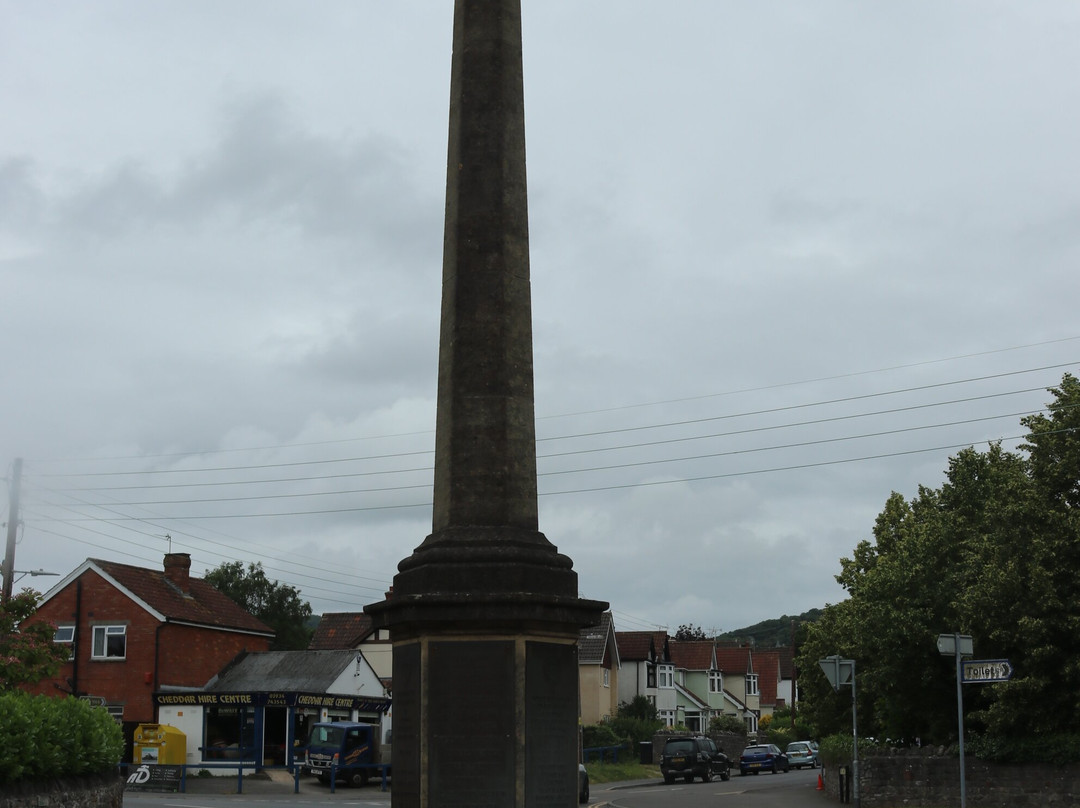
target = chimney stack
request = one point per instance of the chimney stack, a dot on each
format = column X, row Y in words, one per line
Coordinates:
column 178, row 570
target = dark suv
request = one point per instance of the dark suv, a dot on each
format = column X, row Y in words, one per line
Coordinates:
column 693, row 757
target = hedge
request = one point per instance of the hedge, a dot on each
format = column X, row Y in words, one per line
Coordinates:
column 42, row 737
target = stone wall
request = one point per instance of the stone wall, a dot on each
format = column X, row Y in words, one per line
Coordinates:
column 70, row 792
column 929, row 777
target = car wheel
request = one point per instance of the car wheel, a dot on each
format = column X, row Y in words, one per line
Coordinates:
column 706, row 776
column 583, row 797
column 725, row 775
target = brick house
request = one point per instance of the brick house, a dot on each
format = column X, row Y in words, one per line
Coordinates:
column 134, row 631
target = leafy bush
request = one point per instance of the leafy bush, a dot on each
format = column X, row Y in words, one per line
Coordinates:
column 594, row 735
column 1057, row 748
column 780, row 735
column 727, row 723
column 44, row 737
column 635, row 730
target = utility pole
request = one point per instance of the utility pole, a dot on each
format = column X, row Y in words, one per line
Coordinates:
column 12, row 528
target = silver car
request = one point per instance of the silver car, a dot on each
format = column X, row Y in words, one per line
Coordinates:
column 802, row 753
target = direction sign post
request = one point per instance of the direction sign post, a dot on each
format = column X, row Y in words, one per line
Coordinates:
column 958, row 646
column 841, row 672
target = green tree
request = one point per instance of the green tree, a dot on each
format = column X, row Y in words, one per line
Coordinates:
column 27, row 651
column 689, row 631
column 276, row 604
column 994, row 553
column 638, row 707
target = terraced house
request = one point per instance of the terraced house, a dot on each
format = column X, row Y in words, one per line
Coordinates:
column 692, row 681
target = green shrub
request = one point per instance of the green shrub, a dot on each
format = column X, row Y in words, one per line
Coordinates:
column 599, row 735
column 45, row 737
column 727, row 723
column 635, row 730
column 1056, row 748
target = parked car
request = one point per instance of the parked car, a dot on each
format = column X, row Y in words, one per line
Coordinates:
column 693, row 757
column 763, row 757
column 802, row 753
column 582, row 784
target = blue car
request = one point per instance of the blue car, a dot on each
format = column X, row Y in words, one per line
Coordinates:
column 762, row 757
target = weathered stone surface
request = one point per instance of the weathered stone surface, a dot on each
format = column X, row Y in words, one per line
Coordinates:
column 106, row 791
column 923, row 777
column 485, row 613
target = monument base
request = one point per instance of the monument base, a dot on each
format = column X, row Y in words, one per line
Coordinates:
column 485, row 690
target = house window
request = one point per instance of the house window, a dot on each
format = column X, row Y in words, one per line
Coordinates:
column 65, row 635
column 110, row 642
column 666, row 676
column 650, row 675
column 716, row 682
column 668, row 717
column 751, row 684
column 751, row 724
column 607, row 678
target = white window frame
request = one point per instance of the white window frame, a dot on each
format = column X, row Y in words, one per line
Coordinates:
column 104, row 632
column 716, row 681
column 69, row 640
column 607, row 677
column 752, row 684
column 667, row 716
column 665, row 677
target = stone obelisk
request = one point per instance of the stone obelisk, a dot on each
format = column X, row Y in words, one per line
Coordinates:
column 485, row 613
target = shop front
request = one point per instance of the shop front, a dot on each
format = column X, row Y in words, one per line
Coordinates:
column 259, row 728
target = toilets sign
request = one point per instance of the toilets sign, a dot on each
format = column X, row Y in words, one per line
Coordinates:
column 985, row 671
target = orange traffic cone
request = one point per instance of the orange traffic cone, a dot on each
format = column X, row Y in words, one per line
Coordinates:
column 820, row 783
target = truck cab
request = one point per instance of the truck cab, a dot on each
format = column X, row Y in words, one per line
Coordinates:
column 346, row 750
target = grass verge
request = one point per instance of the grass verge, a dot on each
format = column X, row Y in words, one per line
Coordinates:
column 615, row 772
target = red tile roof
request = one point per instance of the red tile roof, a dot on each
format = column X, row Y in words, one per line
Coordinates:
column 692, row 655
column 339, row 630
column 734, row 660
column 202, row 604
column 768, row 666
column 638, row 646
column 787, row 661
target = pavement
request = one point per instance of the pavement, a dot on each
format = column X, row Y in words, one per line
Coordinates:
column 279, row 783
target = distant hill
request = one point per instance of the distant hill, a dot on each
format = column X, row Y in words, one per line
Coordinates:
column 770, row 633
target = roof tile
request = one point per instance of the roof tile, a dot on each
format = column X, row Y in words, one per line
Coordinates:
column 202, row 604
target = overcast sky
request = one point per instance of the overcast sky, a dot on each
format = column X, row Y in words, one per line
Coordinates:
column 787, row 258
